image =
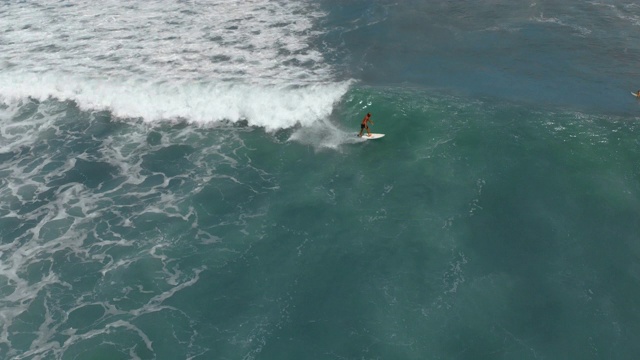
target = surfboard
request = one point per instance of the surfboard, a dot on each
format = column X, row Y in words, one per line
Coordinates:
column 373, row 136
column 634, row 94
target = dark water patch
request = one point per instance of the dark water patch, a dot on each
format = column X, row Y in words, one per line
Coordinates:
column 42, row 198
column 27, row 111
column 8, row 156
column 171, row 160
column 82, row 274
column 24, row 330
column 7, row 288
column 154, row 138
column 113, row 183
column 89, row 173
column 85, row 316
column 54, row 229
column 102, row 125
column 151, row 181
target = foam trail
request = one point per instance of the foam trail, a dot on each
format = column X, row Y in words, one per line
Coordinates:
column 324, row 135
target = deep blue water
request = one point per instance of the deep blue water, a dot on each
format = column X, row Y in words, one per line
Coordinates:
column 183, row 180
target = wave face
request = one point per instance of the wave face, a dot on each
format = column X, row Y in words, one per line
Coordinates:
column 202, row 61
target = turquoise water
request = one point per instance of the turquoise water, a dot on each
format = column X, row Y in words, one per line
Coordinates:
column 181, row 197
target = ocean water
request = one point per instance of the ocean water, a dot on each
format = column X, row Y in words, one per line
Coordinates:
column 182, row 179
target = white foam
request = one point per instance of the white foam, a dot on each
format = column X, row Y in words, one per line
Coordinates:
column 69, row 224
column 185, row 40
column 582, row 31
column 270, row 106
column 204, row 62
column 324, row 135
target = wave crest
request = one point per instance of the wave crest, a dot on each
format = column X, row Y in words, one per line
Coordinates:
column 272, row 107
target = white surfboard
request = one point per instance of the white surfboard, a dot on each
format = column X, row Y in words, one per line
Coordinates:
column 634, row 94
column 373, row 136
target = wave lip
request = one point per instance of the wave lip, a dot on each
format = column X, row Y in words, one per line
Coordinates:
column 272, row 107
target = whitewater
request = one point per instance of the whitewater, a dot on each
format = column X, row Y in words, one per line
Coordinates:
column 198, row 61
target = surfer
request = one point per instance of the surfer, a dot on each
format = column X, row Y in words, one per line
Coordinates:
column 638, row 94
column 365, row 125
